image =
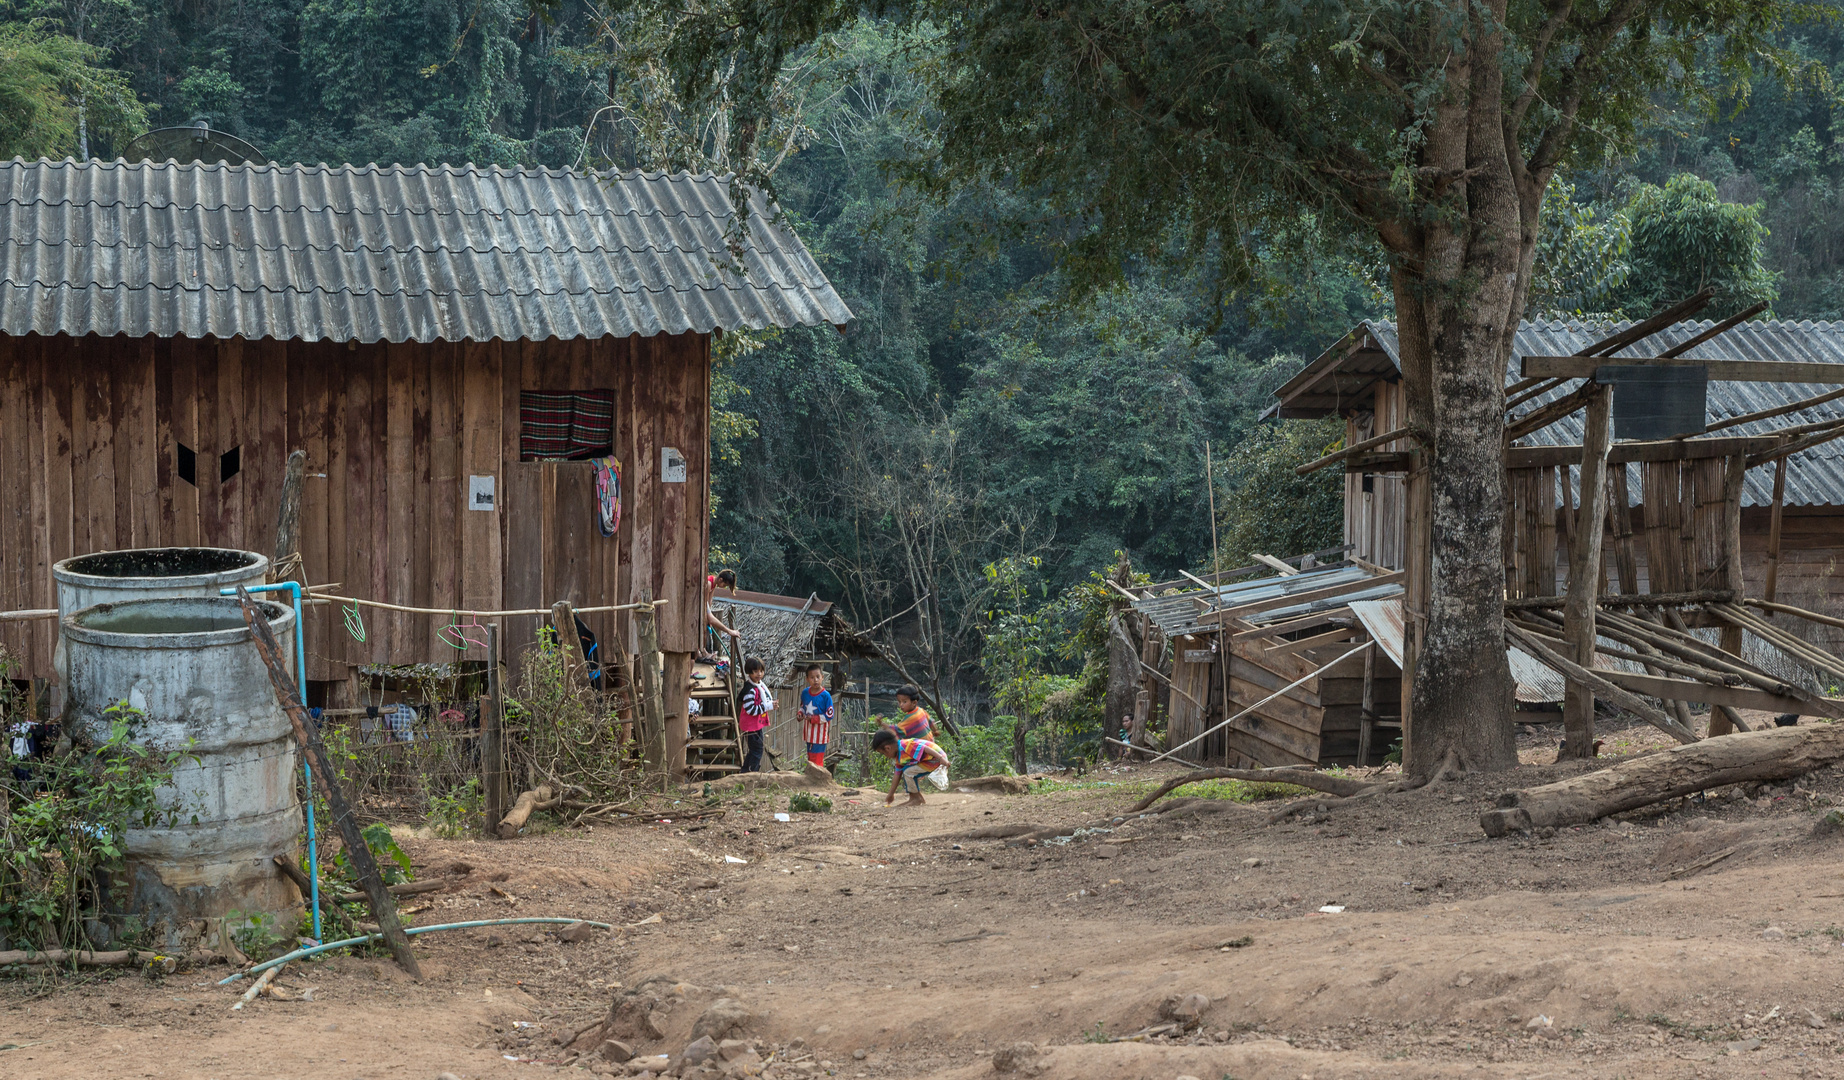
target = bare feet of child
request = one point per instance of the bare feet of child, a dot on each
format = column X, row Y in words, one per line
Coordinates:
column 914, row 800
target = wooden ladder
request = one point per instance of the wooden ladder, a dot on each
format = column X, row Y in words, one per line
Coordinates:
column 715, row 747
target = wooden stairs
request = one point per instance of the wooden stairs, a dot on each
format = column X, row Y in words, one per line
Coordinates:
column 715, row 747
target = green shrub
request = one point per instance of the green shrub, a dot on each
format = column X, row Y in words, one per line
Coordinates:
column 806, row 802
column 62, row 825
column 982, row 751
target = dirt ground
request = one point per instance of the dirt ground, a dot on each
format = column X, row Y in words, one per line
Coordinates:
column 887, row 943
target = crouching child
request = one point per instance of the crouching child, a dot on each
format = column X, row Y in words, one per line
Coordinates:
column 914, row 759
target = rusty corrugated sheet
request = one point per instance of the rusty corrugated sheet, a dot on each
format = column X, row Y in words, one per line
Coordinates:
column 424, row 253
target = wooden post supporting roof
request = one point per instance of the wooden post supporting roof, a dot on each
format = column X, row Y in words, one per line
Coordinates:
column 1585, row 573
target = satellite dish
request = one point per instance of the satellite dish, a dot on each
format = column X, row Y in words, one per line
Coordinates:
column 194, row 142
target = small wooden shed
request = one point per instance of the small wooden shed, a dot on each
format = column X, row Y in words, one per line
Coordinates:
column 449, row 345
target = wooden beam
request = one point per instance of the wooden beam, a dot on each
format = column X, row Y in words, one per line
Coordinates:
column 1673, row 599
column 1548, row 413
column 1302, row 623
column 1268, row 560
column 1718, row 330
column 1537, row 457
column 1343, row 633
column 1789, row 448
column 1781, row 410
column 1304, row 597
column 1788, row 609
column 1585, row 570
column 1389, row 461
column 1740, row 697
column 1350, row 451
column 1639, row 331
column 1584, row 367
column 1574, row 672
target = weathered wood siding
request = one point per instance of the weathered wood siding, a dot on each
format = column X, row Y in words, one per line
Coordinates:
column 90, row 429
column 1374, row 518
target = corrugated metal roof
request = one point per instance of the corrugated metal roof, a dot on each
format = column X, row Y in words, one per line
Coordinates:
column 423, row 253
column 1176, row 614
column 1814, row 477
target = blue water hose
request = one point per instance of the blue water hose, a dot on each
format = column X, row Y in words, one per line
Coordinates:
column 299, row 953
column 307, row 770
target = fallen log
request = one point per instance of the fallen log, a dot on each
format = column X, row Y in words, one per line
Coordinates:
column 83, row 958
column 1306, row 778
column 522, row 810
column 1774, row 754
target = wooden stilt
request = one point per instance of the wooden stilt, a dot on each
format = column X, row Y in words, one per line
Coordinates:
column 1584, row 575
column 1773, row 534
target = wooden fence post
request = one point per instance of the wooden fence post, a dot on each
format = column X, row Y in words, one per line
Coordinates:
column 650, row 702
column 563, row 620
column 492, row 735
column 1731, row 641
column 1585, row 573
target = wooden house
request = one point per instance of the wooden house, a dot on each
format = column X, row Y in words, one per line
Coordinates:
column 448, row 345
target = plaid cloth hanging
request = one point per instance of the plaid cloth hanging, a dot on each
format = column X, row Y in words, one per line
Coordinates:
column 565, row 426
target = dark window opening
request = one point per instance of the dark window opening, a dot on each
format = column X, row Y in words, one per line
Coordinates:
column 229, row 463
column 188, row 465
column 566, row 425
column 1370, row 482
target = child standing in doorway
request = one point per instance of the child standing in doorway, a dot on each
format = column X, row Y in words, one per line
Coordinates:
column 915, row 723
column 914, row 759
column 754, row 705
column 816, row 714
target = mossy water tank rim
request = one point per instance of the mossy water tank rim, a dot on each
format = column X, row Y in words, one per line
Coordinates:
column 175, row 622
column 160, row 568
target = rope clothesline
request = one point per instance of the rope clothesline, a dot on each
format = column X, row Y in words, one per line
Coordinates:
column 332, row 598
column 337, row 599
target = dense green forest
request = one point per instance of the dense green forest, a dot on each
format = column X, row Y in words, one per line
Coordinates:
column 972, row 432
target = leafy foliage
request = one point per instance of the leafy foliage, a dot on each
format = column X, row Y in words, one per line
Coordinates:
column 1269, row 509
column 1685, row 238
column 50, row 83
column 63, row 821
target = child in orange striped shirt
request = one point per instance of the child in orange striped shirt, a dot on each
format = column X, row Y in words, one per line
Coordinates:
column 914, row 759
column 915, row 723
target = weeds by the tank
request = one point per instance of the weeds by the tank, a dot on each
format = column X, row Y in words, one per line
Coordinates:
column 65, row 808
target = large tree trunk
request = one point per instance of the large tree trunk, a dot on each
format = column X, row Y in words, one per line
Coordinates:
column 1458, row 282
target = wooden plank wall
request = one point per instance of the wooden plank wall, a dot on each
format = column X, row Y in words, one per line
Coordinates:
column 89, row 430
column 1374, row 518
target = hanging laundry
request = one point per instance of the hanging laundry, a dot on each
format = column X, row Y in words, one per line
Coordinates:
column 607, row 494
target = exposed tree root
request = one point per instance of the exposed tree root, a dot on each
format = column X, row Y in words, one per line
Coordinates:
column 1306, row 778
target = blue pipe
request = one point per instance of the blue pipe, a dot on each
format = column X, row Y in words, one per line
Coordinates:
column 307, row 770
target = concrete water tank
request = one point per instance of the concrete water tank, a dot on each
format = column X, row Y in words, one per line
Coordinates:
column 189, row 665
column 107, row 577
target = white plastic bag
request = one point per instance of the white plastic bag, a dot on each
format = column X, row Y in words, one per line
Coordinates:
column 939, row 778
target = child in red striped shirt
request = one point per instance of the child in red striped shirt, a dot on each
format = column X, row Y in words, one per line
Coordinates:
column 914, row 759
column 755, row 702
column 816, row 714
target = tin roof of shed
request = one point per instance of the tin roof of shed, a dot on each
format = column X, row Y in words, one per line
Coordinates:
column 421, row 253
column 1343, row 376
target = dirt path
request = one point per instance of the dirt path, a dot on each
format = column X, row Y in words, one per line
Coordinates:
column 892, row 933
